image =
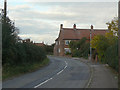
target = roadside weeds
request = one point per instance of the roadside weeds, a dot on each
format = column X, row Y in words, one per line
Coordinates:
column 11, row 72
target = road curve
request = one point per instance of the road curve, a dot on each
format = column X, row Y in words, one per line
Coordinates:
column 62, row 72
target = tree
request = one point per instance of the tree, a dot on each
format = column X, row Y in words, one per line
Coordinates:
column 100, row 43
column 107, row 46
column 9, row 39
column 80, row 48
column 49, row 48
column 17, row 53
column 113, row 25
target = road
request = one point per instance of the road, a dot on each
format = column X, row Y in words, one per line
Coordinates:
column 62, row 72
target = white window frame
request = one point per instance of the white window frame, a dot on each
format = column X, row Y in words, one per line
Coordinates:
column 59, row 42
column 56, row 42
column 67, row 42
column 59, row 50
column 67, row 50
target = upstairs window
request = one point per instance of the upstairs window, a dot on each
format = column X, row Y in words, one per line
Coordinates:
column 67, row 42
column 56, row 42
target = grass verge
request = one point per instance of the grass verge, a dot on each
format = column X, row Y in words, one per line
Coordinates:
column 13, row 71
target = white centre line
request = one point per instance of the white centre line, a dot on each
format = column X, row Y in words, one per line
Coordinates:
column 59, row 72
column 42, row 83
column 52, row 78
column 63, row 68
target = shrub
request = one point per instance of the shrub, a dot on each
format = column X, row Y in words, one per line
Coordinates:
column 111, row 56
column 80, row 48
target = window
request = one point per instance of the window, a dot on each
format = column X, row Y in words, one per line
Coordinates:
column 59, row 50
column 59, row 42
column 67, row 50
column 56, row 42
column 67, row 42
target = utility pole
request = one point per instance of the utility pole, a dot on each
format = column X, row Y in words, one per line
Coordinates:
column 5, row 8
column 90, row 42
column 119, row 42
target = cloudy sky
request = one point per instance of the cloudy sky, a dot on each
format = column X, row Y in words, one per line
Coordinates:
column 40, row 21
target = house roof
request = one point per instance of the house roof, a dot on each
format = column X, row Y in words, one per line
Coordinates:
column 76, row 34
column 39, row 44
column 56, row 39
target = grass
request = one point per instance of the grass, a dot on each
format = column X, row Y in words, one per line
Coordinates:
column 10, row 72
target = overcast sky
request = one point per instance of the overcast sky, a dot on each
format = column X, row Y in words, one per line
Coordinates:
column 40, row 21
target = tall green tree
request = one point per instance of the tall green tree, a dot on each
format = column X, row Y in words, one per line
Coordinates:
column 9, row 39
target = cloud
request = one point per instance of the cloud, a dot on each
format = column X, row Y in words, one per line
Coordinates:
column 72, row 0
column 38, row 38
column 81, row 11
column 42, row 21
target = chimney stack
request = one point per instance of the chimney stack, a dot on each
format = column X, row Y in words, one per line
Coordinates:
column 92, row 27
column 61, row 26
column 74, row 26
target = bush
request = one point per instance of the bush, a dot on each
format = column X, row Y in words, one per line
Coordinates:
column 16, row 56
column 14, row 52
column 111, row 56
column 49, row 49
column 80, row 48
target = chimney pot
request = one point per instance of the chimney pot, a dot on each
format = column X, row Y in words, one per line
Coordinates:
column 74, row 26
column 91, row 26
column 61, row 26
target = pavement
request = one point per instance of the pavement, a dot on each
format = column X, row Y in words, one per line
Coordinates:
column 102, row 76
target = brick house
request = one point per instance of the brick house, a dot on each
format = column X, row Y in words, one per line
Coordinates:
column 68, row 34
column 40, row 44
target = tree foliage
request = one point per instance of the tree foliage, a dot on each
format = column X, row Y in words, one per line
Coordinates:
column 111, row 56
column 113, row 25
column 14, row 52
column 100, row 43
column 80, row 48
column 107, row 46
column 49, row 48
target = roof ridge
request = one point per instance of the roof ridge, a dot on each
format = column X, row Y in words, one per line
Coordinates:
column 81, row 29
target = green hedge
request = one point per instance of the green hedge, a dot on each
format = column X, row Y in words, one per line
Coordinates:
column 111, row 56
column 80, row 48
column 23, row 53
column 15, row 53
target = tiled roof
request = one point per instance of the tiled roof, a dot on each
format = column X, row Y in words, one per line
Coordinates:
column 39, row 44
column 69, row 33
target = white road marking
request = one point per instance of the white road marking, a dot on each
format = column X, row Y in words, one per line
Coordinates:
column 63, row 69
column 52, row 78
column 42, row 83
column 59, row 72
column 66, row 63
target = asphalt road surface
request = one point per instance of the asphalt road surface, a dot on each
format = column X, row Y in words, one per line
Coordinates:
column 60, row 73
